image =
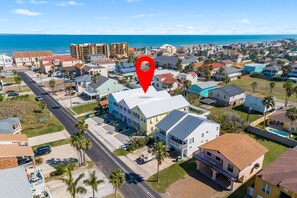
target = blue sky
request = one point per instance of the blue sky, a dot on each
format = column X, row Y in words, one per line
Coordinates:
column 148, row 16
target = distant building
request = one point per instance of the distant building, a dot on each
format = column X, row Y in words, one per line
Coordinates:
column 202, row 88
column 255, row 102
column 59, row 62
column 125, row 68
column 227, row 63
column 92, row 69
column 134, row 107
column 253, row 67
column 166, row 48
column 82, row 82
column 230, row 159
column 119, row 50
column 232, row 72
column 82, row 51
column 166, row 62
column 165, row 82
column 272, row 71
column 277, row 179
column 293, row 73
column 10, row 126
column 5, row 61
column 185, row 132
column 190, row 76
column 30, row 58
column 94, row 58
column 230, row 95
column 108, row 64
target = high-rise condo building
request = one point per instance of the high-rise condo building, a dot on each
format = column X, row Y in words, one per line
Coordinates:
column 82, row 51
column 119, row 50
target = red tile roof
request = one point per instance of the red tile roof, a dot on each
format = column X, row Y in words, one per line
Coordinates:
column 192, row 73
column 32, row 54
column 167, row 79
column 60, row 58
column 215, row 65
column 197, row 65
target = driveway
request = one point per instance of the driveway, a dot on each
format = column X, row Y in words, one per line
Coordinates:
column 195, row 185
column 58, row 189
column 59, row 154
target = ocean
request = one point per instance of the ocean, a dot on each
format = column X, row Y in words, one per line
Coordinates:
column 60, row 44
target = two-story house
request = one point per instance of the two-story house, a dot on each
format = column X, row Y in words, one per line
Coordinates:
column 278, row 179
column 134, row 107
column 165, row 82
column 230, row 159
column 202, row 88
column 254, row 102
column 232, row 72
column 185, row 132
column 230, row 95
column 272, row 71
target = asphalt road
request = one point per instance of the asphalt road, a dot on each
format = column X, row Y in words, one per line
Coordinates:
column 105, row 160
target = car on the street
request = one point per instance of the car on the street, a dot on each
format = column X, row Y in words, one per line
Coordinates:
column 38, row 98
column 43, row 150
column 10, row 94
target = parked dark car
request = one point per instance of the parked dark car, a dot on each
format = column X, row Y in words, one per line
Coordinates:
column 43, row 150
column 25, row 160
column 38, row 98
column 13, row 94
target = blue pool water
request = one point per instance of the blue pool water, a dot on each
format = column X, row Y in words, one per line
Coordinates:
column 278, row 132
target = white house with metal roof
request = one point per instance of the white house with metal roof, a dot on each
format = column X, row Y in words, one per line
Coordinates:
column 144, row 110
column 185, row 132
column 5, row 61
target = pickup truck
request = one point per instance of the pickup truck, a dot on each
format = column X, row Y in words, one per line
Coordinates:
column 146, row 156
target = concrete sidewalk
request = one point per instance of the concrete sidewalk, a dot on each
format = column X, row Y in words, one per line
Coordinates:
column 51, row 137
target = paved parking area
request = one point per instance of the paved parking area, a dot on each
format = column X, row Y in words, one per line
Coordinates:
column 58, row 189
column 195, row 185
column 64, row 154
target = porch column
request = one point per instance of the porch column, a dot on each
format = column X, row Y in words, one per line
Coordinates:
column 232, row 186
column 214, row 175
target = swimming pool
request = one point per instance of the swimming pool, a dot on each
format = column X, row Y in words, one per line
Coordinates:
column 277, row 132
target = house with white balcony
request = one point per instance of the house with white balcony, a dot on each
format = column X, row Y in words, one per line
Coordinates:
column 185, row 132
column 143, row 111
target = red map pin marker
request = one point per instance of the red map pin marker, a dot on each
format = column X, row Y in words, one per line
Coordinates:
column 145, row 76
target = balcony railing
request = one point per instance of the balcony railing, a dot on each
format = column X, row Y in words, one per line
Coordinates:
column 161, row 136
column 177, row 145
column 214, row 166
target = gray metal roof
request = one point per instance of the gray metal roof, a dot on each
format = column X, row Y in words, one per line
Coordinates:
column 230, row 70
column 172, row 118
column 205, row 85
column 84, row 78
column 100, row 81
column 6, row 126
column 14, row 183
column 231, row 90
column 166, row 59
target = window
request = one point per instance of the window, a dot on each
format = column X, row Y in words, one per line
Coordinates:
column 208, row 153
column 230, row 168
column 218, row 158
column 202, row 135
column 224, row 96
column 266, row 188
column 217, row 128
column 152, row 128
column 206, row 131
column 191, row 140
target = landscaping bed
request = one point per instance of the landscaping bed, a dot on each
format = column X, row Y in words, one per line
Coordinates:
column 85, row 108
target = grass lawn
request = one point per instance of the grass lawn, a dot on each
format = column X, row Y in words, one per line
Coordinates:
column 170, row 175
column 69, row 111
column 85, row 108
column 120, row 152
column 33, row 122
column 263, row 87
column 243, row 114
column 8, row 79
column 55, row 143
column 275, row 150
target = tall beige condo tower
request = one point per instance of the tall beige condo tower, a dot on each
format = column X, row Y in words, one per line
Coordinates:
column 119, row 50
column 82, row 51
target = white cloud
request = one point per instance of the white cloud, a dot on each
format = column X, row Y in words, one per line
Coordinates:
column 26, row 12
column 131, row 1
column 69, row 3
column 243, row 21
column 37, row 2
column 20, row 2
column 145, row 15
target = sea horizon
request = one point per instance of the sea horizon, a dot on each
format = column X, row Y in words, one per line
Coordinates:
column 60, row 43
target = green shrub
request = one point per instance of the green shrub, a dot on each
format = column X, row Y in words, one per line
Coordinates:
column 59, row 170
column 1, row 97
column 39, row 160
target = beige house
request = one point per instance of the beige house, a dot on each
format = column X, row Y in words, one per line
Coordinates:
column 30, row 58
column 64, row 62
column 230, row 159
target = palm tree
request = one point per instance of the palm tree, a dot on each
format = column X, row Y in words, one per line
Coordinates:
column 117, row 179
column 52, row 84
column 41, row 105
column 18, row 80
column 187, row 85
column 286, row 69
column 288, row 86
column 268, row 102
column 221, row 70
column 76, row 142
column 272, row 85
column 292, row 115
column 160, row 151
column 69, row 89
column 52, row 71
column 95, row 77
column 226, row 79
column 93, row 181
column 72, row 184
column 86, row 145
column 40, row 71
column 64, row 73
column 14, row 72
column 254, row 85
column 81, row 126
column 71, row 76
column 179, row 66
